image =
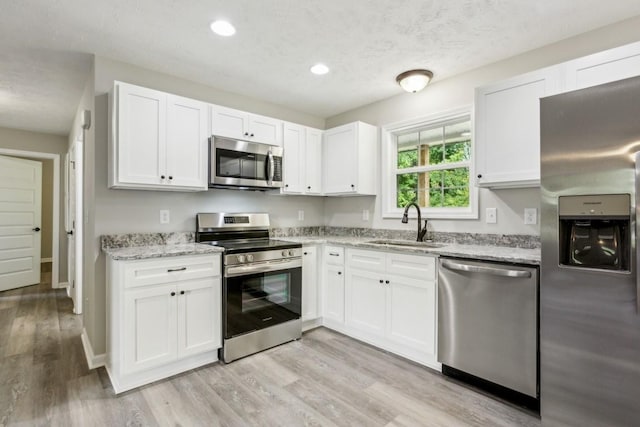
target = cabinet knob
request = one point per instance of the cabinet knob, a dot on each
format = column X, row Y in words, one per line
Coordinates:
column 305, row 253
column 380, row 280
column 170, row 177
column 386, row 281
column 286, row 186
column 309, row 188
column 161, row 176
column 246, row 134
column 479, row 175
column 251, row 135
column 353, row 186
column 181, row 292
column 173, row 294
column 339, row 272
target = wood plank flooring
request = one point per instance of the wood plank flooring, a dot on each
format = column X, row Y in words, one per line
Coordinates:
column 325, row 379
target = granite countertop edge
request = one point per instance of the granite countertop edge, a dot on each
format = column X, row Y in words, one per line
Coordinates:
column 160, row 251
column 483, row 252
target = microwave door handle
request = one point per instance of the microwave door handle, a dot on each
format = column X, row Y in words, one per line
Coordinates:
column 270, row 168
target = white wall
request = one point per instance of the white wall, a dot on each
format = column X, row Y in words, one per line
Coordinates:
column 458, row 91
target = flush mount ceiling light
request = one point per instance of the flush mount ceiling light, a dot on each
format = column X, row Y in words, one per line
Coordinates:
column 223, row 28
column 414, row 80
column 319, row 69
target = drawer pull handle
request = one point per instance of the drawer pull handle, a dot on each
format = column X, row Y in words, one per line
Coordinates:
column 171, row 270
column 334, row 254
column 181, row 292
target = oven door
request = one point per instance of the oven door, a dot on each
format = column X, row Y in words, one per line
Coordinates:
column 243, row 163
column 259, row 296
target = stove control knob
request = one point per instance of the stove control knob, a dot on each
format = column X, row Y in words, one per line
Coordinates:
column 241, row 258
column 290, row 252
column 285, row 253
column 249, row 258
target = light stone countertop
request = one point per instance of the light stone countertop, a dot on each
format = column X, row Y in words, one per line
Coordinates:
column 482, row 252
column 159, row 251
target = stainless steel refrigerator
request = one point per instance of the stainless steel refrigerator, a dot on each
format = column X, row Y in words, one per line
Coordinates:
column 589, row 319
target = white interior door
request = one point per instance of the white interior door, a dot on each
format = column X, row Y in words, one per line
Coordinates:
column 72, row 225
column 20, row 222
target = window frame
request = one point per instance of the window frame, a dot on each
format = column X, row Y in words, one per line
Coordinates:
column 390, row 171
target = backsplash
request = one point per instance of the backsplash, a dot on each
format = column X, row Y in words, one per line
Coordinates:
column 511, row 240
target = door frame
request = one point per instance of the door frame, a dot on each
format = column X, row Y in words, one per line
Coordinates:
column 77, row 148
column 55, row 232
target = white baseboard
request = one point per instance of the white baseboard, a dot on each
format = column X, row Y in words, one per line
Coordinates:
column 94, row 361
column 61, row 285
column 43, row 260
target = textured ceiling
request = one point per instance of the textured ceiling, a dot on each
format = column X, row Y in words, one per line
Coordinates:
column 365, row 42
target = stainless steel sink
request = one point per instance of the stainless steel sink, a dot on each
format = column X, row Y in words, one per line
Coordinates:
column 405, row 243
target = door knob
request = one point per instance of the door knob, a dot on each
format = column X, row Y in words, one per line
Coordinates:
column 70, row 233
column 36, row 229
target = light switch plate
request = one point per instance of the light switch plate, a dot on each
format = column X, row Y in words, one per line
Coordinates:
column 491, row 216
column 530, row 215
column 164, row 217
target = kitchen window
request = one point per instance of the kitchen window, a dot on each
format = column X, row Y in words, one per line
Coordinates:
column 430, row 161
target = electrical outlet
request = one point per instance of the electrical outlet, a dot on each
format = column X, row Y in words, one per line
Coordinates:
column 491, row 216
column 365, row 214
column 530, row 215
column 164, row 217
column 300, row 215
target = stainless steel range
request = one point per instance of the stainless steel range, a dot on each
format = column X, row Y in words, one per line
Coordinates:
column 262, row 282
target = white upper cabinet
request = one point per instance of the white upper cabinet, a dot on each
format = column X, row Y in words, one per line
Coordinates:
column 350, row 159
column 238, row 124
column 603, row 67
column 158, row 141
column 507, row 129
column 313, row 161
column 302, row 160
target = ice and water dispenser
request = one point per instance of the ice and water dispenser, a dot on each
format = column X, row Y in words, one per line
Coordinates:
column 595, row 231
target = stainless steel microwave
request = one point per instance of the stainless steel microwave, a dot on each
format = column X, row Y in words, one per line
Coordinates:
column 244, row 165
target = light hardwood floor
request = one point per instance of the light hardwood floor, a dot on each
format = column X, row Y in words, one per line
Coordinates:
column 325, row 379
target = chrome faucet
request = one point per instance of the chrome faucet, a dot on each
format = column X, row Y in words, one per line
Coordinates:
column 405, row 219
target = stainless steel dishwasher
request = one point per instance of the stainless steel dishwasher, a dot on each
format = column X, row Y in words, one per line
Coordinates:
column 488, row 322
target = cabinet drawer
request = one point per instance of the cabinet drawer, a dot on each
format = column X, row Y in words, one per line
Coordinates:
column 334, row 255
column 416, row 266
column 366, row 260
column 165, row 270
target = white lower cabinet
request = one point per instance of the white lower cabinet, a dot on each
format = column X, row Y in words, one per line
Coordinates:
column 310, row 288
column 163, row 317
column 333, row 287
column 390, row 302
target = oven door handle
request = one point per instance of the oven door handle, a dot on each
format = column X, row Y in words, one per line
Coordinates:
column 263, row 267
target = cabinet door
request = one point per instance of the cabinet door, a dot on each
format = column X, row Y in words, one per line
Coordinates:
column 340, row 160
column 265, row 129
column 411, row 313
column 365, row 301
column 150, row 335
column 199, row 315
column 141, row 135
column 186, row 143
column 603, row 67
column 294, row 141
column 333, row 307
column 309, row 283
column 313, row 161
column 507, row 129
column 229, row 123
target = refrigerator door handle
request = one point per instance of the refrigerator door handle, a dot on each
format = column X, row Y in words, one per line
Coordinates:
column 637, row 208
column 485, row 270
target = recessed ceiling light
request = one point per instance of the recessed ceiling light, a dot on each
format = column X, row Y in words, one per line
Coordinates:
column 319, row 69
column 223, row 28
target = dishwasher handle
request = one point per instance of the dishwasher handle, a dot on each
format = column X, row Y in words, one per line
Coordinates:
column 485, row 270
